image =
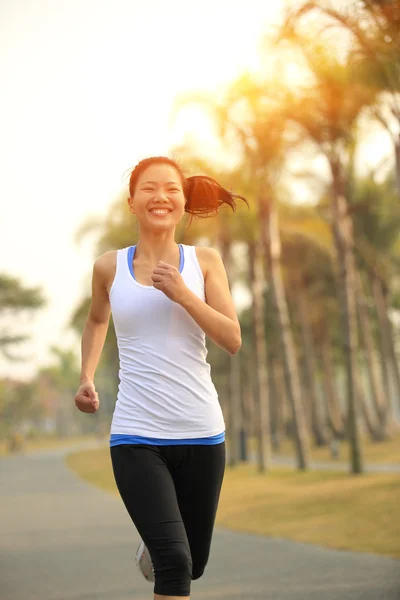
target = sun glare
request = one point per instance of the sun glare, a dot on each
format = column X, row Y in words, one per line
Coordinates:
column 87, row 91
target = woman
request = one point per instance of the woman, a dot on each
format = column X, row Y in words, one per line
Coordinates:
column 167, row 433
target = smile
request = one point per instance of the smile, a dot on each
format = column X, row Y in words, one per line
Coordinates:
column 160, row 211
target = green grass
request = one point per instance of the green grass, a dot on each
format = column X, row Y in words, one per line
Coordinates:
column 381, row 452
column 330, row 509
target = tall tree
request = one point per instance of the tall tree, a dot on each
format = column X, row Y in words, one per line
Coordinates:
column 14, row 300
column 374, row 30
column 376, row 215
column 308, row 269
column 326, row 112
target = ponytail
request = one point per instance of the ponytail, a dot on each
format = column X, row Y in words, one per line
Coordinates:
column 205, row 196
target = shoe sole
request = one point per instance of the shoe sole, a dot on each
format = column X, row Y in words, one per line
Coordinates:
column 143, row 561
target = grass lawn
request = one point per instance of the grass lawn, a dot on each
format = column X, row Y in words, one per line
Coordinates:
column 336, row 510
column 382, row 452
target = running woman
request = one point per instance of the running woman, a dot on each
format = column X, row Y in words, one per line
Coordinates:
column 167, row 439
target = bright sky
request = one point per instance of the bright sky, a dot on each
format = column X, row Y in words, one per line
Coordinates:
column 87, row 90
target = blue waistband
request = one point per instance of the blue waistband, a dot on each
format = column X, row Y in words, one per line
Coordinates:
column 119, row 439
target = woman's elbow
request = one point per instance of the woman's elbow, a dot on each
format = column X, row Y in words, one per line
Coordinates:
column 236, row 344
column 235, row 349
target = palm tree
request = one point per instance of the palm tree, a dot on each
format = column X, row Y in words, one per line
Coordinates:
column 377, row 222
column 307, row 256
column 333, row 406
column 374, row 29
column 290, row 363
column 326, row 113
column 381, row 403
column 262, row 415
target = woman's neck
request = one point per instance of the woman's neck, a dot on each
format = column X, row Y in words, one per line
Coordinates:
column 153, row 248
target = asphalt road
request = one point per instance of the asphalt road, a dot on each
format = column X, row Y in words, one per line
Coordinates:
column 62, row 539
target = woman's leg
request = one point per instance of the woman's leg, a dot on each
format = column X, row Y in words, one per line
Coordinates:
column 147, row 490
column 198, row 481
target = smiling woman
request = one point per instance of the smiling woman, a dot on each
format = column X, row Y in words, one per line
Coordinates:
column 167, row 433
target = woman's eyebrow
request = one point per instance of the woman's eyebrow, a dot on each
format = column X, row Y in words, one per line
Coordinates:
column 155, row 182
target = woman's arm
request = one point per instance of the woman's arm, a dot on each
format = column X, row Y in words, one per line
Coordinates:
column 94, row 334
column 96, row 326
column 217, row 316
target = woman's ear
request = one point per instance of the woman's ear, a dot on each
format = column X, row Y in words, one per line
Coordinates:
column 131, row 205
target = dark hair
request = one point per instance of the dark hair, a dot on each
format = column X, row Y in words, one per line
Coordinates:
column 204, row 196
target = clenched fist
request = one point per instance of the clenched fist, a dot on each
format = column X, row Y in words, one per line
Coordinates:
column 87, row 399
column 167, row 279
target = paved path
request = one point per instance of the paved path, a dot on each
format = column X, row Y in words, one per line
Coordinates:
column 319, row 465
column 61, row 539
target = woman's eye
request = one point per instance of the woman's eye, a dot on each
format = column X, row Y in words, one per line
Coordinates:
column 174, row 190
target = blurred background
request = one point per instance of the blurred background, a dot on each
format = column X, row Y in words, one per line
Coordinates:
column 294, row 105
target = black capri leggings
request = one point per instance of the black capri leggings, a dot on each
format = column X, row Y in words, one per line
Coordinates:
column 171, row 494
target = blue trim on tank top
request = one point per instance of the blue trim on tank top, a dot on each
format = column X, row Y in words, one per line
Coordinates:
column 131, row 254
column 117, row 439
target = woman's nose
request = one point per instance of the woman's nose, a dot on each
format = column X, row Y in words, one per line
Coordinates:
column 161, row 195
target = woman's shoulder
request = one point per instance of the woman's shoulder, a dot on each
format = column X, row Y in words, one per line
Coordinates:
column 207, row 253
column 207, row 257
column 105, row 265
column 104, row 261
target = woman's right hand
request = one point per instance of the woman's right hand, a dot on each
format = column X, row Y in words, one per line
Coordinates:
column 87, row 399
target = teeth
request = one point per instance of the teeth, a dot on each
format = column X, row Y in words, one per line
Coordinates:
column 160, row 212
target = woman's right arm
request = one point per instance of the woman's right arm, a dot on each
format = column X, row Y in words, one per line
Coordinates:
column 95, row 331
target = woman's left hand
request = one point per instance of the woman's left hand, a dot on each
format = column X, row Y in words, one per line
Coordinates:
column 168, row 280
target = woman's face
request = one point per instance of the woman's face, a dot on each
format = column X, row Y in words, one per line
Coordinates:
column 158, row 201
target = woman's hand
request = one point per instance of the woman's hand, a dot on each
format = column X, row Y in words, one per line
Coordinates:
column 167, row 279
column 87, row 399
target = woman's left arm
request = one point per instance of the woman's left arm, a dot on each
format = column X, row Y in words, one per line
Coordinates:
column 217, row 315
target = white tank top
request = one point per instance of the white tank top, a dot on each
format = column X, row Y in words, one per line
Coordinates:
column 165, row 388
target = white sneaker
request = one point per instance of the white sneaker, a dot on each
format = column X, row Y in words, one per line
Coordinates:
column 143, row 561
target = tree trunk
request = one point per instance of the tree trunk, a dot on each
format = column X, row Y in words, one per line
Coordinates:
column 394, row 362
column 397, row 162
column 247, row 378
column 343, row 235
column 273, row 403
column 262, row 400
column 283, row 405
column 366, row 337
column 369, row 420
column 332, row 400
column 317, row 421
column 224, row 400
column 235, row 401
column 389, row 360
column 271, row 240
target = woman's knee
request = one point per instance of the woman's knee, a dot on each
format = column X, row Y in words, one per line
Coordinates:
column 180, row 559
column 173, row 573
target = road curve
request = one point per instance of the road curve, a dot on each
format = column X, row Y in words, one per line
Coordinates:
column 62, row 539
